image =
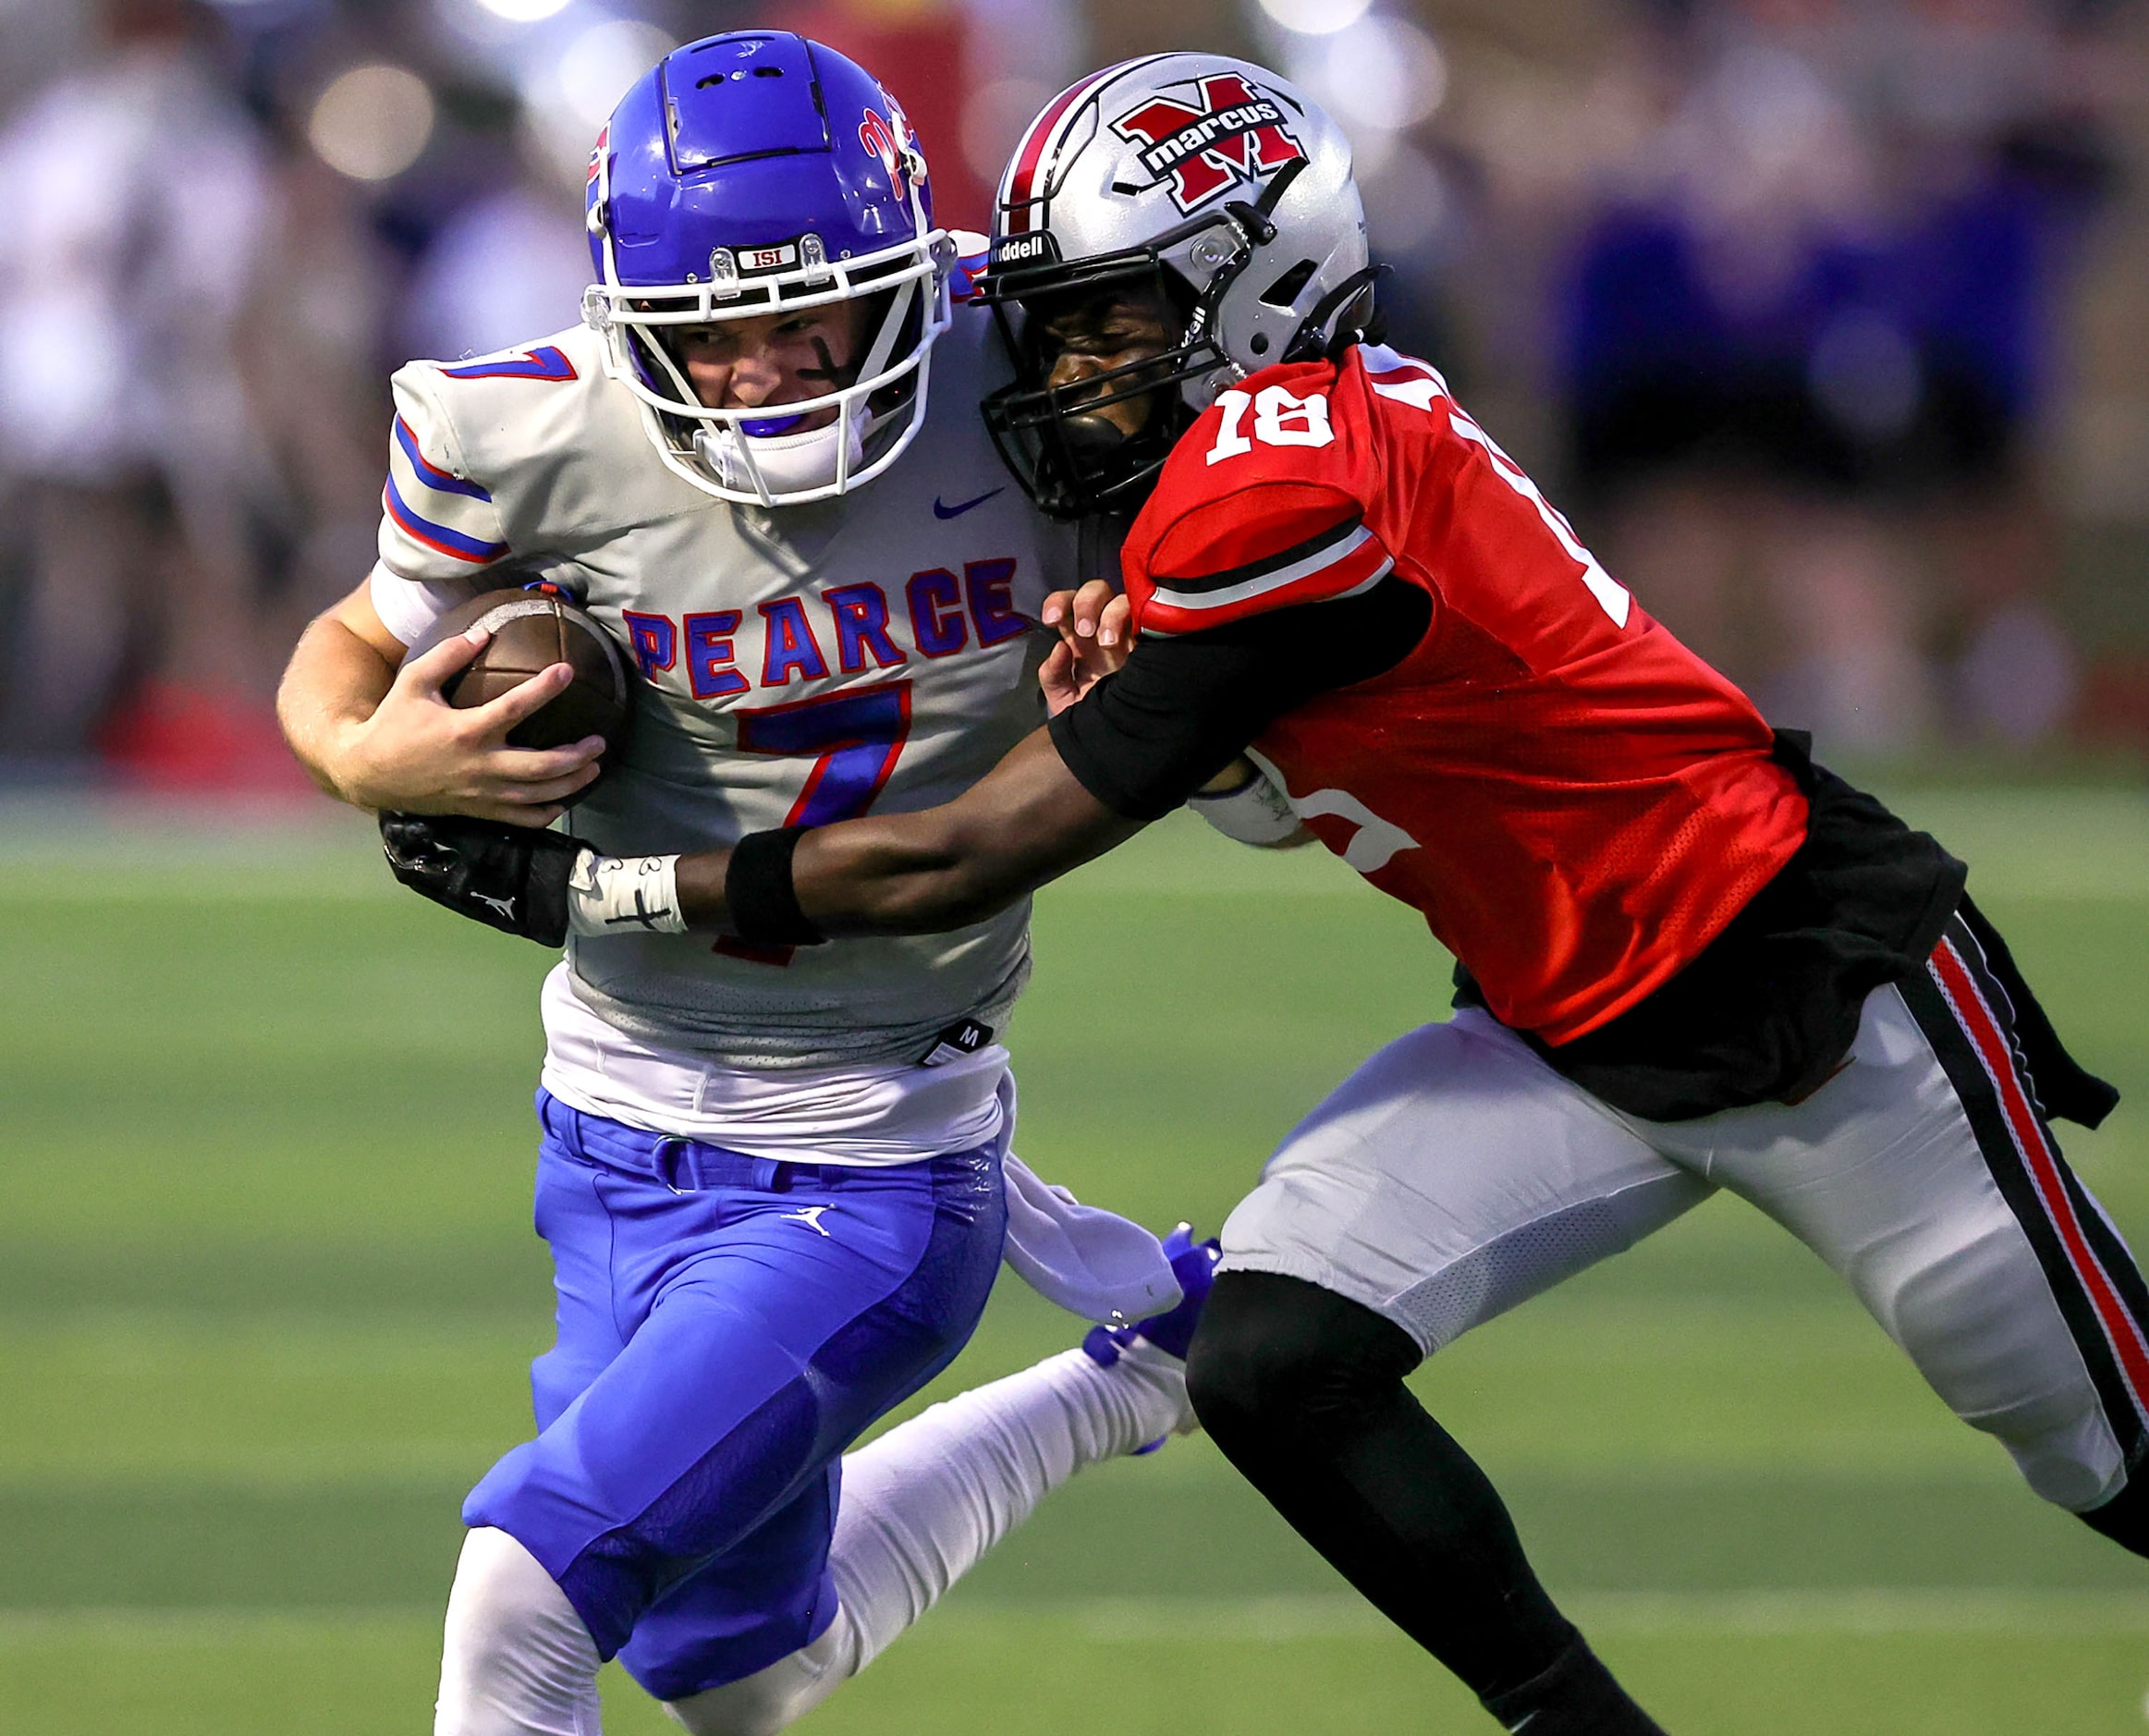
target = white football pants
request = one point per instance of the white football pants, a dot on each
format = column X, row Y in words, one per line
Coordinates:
column 1456, row 1174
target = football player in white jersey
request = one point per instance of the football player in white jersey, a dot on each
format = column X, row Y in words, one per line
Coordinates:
column 776, row 1186
column 1693, row 958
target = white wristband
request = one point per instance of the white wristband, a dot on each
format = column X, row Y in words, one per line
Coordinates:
column 1256, row 814
column 621, row 894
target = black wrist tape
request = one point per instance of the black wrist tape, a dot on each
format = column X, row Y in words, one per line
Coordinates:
column 758, row 889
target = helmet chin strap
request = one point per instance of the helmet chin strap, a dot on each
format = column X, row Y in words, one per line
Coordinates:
column 1313, row 340
column 1256, row 221
column 766, row 463
column 1256, row 227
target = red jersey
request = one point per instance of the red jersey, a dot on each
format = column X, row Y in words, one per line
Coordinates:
column 1576, row 802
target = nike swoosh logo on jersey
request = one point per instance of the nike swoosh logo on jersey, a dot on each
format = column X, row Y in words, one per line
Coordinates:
column 941, row 510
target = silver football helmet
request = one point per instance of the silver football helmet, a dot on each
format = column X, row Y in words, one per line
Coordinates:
column 1209, row 176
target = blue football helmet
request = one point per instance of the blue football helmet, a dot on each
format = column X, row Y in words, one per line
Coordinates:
column 754, row 174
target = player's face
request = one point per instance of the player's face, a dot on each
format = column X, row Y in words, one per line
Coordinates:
column 1083, row 338
column 774, row 358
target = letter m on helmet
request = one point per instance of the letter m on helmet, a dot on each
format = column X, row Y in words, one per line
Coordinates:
column 1226, row 132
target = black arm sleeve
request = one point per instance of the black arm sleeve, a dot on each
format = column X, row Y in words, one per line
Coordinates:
column 1142, row 740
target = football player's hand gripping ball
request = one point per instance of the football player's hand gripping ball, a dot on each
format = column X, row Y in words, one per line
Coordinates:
column 420, row 753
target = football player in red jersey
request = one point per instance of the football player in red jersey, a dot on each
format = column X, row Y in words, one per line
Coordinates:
column 1689, row 959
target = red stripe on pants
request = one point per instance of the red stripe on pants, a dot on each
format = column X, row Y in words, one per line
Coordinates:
column 1998, row 1055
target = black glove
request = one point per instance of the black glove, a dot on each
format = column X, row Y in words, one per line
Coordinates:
column 510, row 877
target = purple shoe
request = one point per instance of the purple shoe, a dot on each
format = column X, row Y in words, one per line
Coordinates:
column 1194, row 1264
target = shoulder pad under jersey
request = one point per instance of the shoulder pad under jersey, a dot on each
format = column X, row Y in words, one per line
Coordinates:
column 1260, row 507
column 523, row 453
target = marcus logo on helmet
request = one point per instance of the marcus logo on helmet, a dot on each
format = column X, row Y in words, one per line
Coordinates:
column 1227, row 133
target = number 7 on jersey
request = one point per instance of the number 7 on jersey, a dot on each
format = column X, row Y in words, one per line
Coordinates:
column 854, row 741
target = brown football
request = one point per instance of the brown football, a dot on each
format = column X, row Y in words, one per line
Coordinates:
column 532, row 631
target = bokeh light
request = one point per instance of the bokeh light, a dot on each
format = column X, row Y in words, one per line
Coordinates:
column 372, row 122
column 1382, row 73
column 602, row 64
column 523, row 11
column 1315, row 17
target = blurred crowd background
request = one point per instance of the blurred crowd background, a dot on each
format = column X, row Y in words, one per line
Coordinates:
column 1826, row 320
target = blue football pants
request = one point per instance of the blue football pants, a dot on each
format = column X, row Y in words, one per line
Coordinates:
column 727, row 1326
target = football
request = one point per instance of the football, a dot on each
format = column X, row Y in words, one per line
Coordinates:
column 532, row 631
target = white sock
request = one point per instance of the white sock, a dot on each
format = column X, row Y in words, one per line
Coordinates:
column 518, row 1660
column 923, row 1503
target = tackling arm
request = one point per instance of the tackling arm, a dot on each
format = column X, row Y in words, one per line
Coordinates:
column 1135, row 747
column 1027, row 821
column 1024, row 823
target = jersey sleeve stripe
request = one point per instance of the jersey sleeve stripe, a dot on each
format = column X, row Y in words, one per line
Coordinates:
column 1336, row 562
column 547, row 362
column 441, row 538
column 1164, row 620
column 1284, row 566
column 431, row 474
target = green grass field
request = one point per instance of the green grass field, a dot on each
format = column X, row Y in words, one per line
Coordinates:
column 267, row 1289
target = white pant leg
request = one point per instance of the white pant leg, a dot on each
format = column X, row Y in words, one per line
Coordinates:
column 771, row 1698
column 1450, row 1177
column 1455, row 1173
column 518, row 1660
column 1880, row 1172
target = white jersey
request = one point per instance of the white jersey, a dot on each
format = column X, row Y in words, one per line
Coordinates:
column 803, row 663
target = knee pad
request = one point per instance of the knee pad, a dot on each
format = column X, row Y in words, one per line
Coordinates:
column 1282, row 1356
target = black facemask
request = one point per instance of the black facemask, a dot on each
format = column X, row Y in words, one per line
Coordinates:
column 1065, row 454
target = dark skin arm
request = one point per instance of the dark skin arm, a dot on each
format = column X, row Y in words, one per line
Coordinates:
column 1027, row 821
